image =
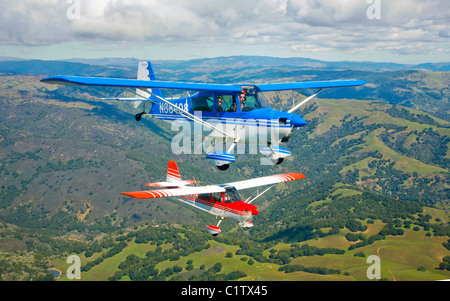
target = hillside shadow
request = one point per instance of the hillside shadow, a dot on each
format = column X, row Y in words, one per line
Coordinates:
column 292, row 235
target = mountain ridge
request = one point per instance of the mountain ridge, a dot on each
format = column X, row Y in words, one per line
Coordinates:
column 249, row 60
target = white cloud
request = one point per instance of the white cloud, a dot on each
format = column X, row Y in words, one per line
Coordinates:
column 405, row 26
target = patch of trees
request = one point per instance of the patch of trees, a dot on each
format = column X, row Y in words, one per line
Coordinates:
column 212, row 274
column 427, row 146
column 403, row 113
column 389, row 229
column 445, row 264
column 307, row 250
column 447, row 245
column 314, row 270
column 116, row 249
column 182, row 242
column 352, row 237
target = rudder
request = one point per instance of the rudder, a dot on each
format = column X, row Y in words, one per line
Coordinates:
column 173, row 175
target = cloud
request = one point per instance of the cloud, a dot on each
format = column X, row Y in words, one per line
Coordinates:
column 404, row 26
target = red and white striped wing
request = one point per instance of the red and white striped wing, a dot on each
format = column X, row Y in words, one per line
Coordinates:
column 267, row 180
column 151, row 194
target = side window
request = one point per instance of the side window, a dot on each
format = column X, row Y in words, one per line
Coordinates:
column 225, row 103
column 203, row 103
column 249, row 104
column 217, row 197
column 204, row 196
column 233, row 106
column 248, row 100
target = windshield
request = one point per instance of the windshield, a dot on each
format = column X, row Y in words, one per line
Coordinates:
column 231, row 195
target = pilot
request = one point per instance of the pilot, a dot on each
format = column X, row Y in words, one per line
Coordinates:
column 242, row 99
column 226, row 197
column 219, row 104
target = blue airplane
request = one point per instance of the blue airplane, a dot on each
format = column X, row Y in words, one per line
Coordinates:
column 235, row 113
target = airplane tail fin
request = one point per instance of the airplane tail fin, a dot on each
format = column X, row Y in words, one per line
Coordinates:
column 145, row 72
column 173, row 178
column 173, row 174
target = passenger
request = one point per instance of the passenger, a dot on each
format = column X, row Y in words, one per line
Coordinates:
column 220, row 104
column 242, row 99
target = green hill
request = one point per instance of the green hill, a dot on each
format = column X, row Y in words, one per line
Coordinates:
column 375, row 170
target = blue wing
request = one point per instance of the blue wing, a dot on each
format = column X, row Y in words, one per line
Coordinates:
column 311, row 85
column 135, row 83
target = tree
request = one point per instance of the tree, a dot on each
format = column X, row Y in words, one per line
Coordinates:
column 217, row 267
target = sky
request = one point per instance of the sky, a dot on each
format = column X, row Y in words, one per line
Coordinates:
column 401, row 31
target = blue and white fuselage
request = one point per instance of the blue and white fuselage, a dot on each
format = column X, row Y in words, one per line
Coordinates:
column 247, row 125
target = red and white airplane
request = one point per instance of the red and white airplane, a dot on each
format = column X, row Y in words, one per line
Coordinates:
column 222, row 200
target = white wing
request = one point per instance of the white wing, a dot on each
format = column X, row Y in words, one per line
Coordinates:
column 256, row 182
column 151, row 194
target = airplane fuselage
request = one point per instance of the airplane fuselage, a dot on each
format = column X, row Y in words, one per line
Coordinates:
column 249, row 121
column 226, row 205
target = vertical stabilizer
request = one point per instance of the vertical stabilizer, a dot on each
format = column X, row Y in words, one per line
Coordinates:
column 145, row 72
column 173, row 175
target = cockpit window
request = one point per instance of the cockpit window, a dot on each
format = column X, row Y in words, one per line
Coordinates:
column 249, row 103
column 231, row 195
column 225, row 103
column 250, row 99
column 203, row 103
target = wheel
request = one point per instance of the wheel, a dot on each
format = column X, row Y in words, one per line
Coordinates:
column 279, row 161
column 139, row 116
column 223, row 167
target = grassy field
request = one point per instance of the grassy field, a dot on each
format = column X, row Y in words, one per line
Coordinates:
column 400, row 256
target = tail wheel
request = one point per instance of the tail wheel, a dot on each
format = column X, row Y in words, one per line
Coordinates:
column 139, row 116
column 223, row 167
column 277, row 161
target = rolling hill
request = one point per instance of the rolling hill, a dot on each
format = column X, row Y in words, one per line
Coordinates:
column 373, row 168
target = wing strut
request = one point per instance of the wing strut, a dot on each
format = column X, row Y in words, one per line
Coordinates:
column 248, row 201
column 304, row 101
